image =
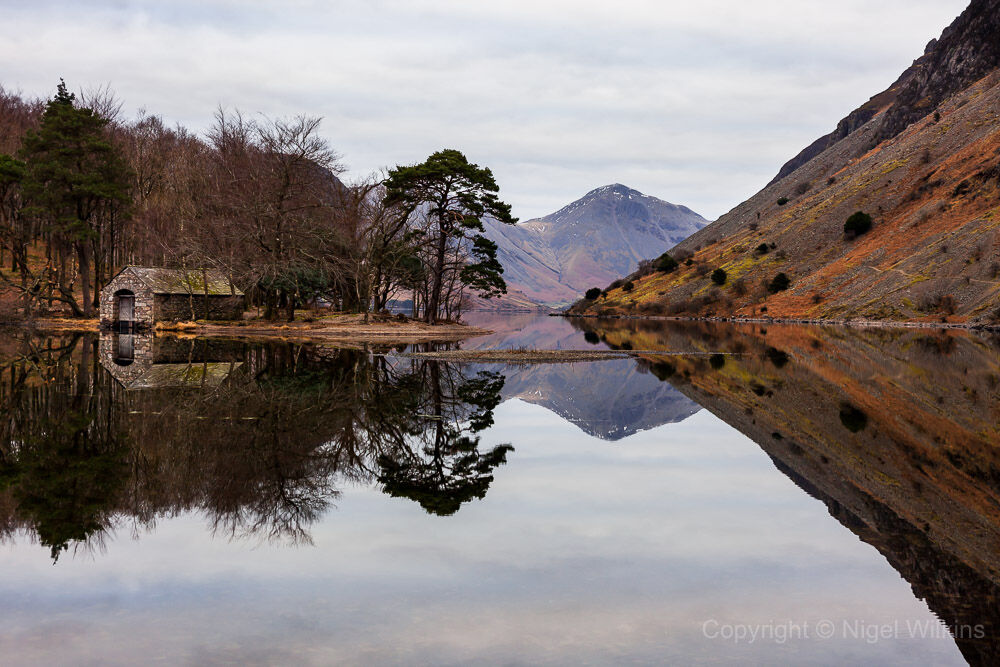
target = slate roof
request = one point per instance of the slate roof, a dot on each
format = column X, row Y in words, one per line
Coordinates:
column 184, row 281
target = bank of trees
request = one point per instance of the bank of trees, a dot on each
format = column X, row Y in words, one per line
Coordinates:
column 84, row 192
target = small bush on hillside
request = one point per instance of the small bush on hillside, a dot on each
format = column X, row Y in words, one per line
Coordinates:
column 616, row 284
column 803, row 188
column 782, row 201
column 663, row 370
column 779, row 283
column 857, row 224
column 593, row 293
column 666, row 263
column 717, row 361
column 853, row 419
column 719, row 276
column 628, row 286
column 777, row 357
column 762, row 249
column 740, row 287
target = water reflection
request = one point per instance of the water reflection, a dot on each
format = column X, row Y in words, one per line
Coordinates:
column 896, row 431
column 124, row 430
column 608, row 400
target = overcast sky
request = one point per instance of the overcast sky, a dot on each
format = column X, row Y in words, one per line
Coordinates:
column 696, row 102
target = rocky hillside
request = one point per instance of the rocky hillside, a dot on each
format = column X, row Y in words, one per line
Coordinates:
column 921, row 160
column 605, row 234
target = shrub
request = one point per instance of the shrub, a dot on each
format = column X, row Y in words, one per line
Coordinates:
column 777, row 357
column 779, row 283
column 719, row 276
column 762, row 249
column 663, row 370
column 857, row 224
column 853, row 419
column 666, row 263
column 782, row 201
column 717, row 361
column 593, row 293
column 802, row 188
column 591, row 337
column 740, row 287
column 628, row 286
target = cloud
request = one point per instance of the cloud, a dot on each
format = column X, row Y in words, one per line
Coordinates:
column 698, row 103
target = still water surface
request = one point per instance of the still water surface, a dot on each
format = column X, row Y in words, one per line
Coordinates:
column 793, row 495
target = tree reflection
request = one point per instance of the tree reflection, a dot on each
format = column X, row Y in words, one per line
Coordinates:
column 257, row 438
column 442, row 467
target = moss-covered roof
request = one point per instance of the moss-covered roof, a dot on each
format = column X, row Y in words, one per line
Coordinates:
column 207, row 374
column 185, row 281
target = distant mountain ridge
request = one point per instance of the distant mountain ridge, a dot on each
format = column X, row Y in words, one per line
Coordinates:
column 604, row 234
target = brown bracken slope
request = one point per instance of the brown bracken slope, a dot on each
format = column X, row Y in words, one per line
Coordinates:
column 922, row 159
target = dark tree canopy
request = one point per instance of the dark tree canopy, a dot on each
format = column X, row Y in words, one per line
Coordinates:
column 456, row 196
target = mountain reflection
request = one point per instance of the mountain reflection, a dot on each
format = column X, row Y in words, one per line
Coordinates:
column 99, row 434
column 896, row 431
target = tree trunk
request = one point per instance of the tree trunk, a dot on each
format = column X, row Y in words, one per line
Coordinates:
column 83, row 258
column 434, row 299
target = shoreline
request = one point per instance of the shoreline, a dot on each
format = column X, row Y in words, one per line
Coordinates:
column 541, row 356
column 347, row 329
column 870, row 324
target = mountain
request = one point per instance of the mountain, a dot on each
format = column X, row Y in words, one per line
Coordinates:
column 606, row 233
column 921, row 158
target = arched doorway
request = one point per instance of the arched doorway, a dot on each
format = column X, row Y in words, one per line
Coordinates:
column 125, row 308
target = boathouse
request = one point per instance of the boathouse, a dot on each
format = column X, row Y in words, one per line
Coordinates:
column 137, row 297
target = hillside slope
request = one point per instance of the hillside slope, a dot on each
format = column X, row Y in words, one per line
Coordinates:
column 606, row 233
column 932, row 189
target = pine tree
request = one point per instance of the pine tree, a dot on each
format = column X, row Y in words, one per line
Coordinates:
column 457, row 195
column 74, row 179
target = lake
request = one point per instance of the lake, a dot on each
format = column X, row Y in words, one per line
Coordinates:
column 730, row 495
